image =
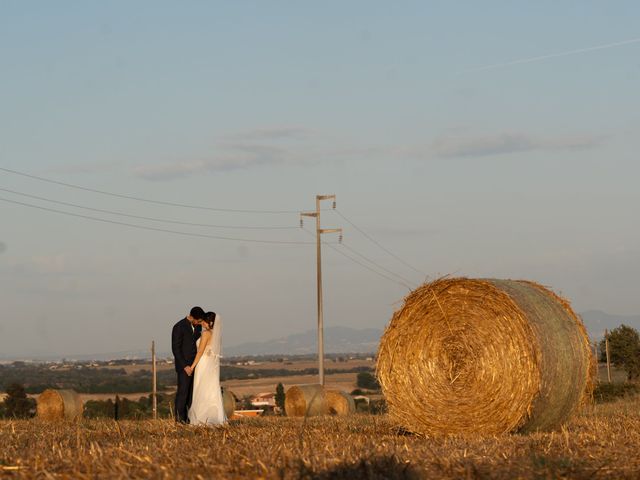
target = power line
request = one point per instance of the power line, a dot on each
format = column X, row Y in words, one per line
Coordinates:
column 141, row 199
column 155, row 229
column 360, row 263
column 368, row 267
column 355, row 252
column 140, row 217
column 370, row 238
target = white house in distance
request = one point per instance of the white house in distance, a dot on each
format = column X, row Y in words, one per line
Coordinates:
column 264, row 400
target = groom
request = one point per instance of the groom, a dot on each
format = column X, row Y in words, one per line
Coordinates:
column 183, row 344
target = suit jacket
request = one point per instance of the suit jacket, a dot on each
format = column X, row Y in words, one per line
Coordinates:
column 183, row 343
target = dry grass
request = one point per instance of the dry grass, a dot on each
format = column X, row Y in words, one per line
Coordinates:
column 600, row 443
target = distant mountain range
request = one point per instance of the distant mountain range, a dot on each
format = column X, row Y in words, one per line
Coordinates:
column 351, row 340
column 336, row 340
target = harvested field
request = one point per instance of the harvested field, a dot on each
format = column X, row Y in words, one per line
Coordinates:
column 601, row 442
column 337, row 381
column 302, row 364
column 242, row 388
column 294, row 364
column 105, row 396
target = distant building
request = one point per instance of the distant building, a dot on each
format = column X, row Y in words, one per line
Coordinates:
column 264, row 400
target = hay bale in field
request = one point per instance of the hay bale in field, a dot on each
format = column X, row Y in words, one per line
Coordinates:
column 340, row 402
column 305, row 400
column 228, row 402
column 59, row 405
column 484, row 356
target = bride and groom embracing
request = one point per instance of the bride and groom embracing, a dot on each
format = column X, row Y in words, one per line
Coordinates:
column 196, row 343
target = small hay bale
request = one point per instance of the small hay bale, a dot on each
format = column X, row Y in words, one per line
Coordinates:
column 59, row 405
column 305, row 400
column 484, row 356
column 340, row 402
column 228, row 403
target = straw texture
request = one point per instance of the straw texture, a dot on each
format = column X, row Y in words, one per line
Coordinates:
column 59, row 405
column 305, row 400
column 484, row 356
column 340, row 402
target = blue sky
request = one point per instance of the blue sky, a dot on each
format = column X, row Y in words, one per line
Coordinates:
column 526, row 170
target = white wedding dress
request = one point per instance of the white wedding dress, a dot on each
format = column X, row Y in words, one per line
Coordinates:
column 206, row 405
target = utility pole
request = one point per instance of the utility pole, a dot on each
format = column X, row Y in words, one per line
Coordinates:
column 154, row 374
column 595, row 346
column 606, row 347
column 319, row 232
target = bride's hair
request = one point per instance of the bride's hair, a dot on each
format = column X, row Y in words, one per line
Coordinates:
column 210, row 319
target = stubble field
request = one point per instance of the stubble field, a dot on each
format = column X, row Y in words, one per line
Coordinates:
column 601, row 442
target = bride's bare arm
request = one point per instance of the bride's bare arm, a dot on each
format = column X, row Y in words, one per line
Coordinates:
column 204, row 341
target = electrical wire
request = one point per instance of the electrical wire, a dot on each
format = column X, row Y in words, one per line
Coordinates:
column 141, row 199
column 382, row 247
column 408, row 287
column 355, row 252
column 140, row 217
column 155, row 229
column 360, row 263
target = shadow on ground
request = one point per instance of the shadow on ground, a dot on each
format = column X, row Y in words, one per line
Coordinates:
column 370, row 468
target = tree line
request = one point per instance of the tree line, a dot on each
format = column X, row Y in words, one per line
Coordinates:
column 37, row 378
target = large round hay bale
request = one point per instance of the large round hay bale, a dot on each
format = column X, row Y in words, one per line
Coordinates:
column 59, row 405
column 340, row 402
column 228, row 403
column 305, row 400
column 484, row 356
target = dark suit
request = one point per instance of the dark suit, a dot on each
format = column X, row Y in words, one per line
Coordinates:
column 183, row 345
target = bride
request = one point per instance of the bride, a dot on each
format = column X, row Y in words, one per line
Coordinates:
column 206, row 406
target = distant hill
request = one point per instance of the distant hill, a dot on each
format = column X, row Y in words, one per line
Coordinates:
column 597, row 321
column 336, row 340
column 350, row 340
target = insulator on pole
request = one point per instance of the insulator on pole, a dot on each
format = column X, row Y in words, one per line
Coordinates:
column 340, row 239
column 301, row 223
column 334, row 204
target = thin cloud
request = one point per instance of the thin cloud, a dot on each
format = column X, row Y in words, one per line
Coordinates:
column 270, row 133
column 479, row 146
column 238, row 151
column 82, row 168
column 239, row 157
column 554, row 55
column 40, row 265
column 402, row 231
column 505, row 143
